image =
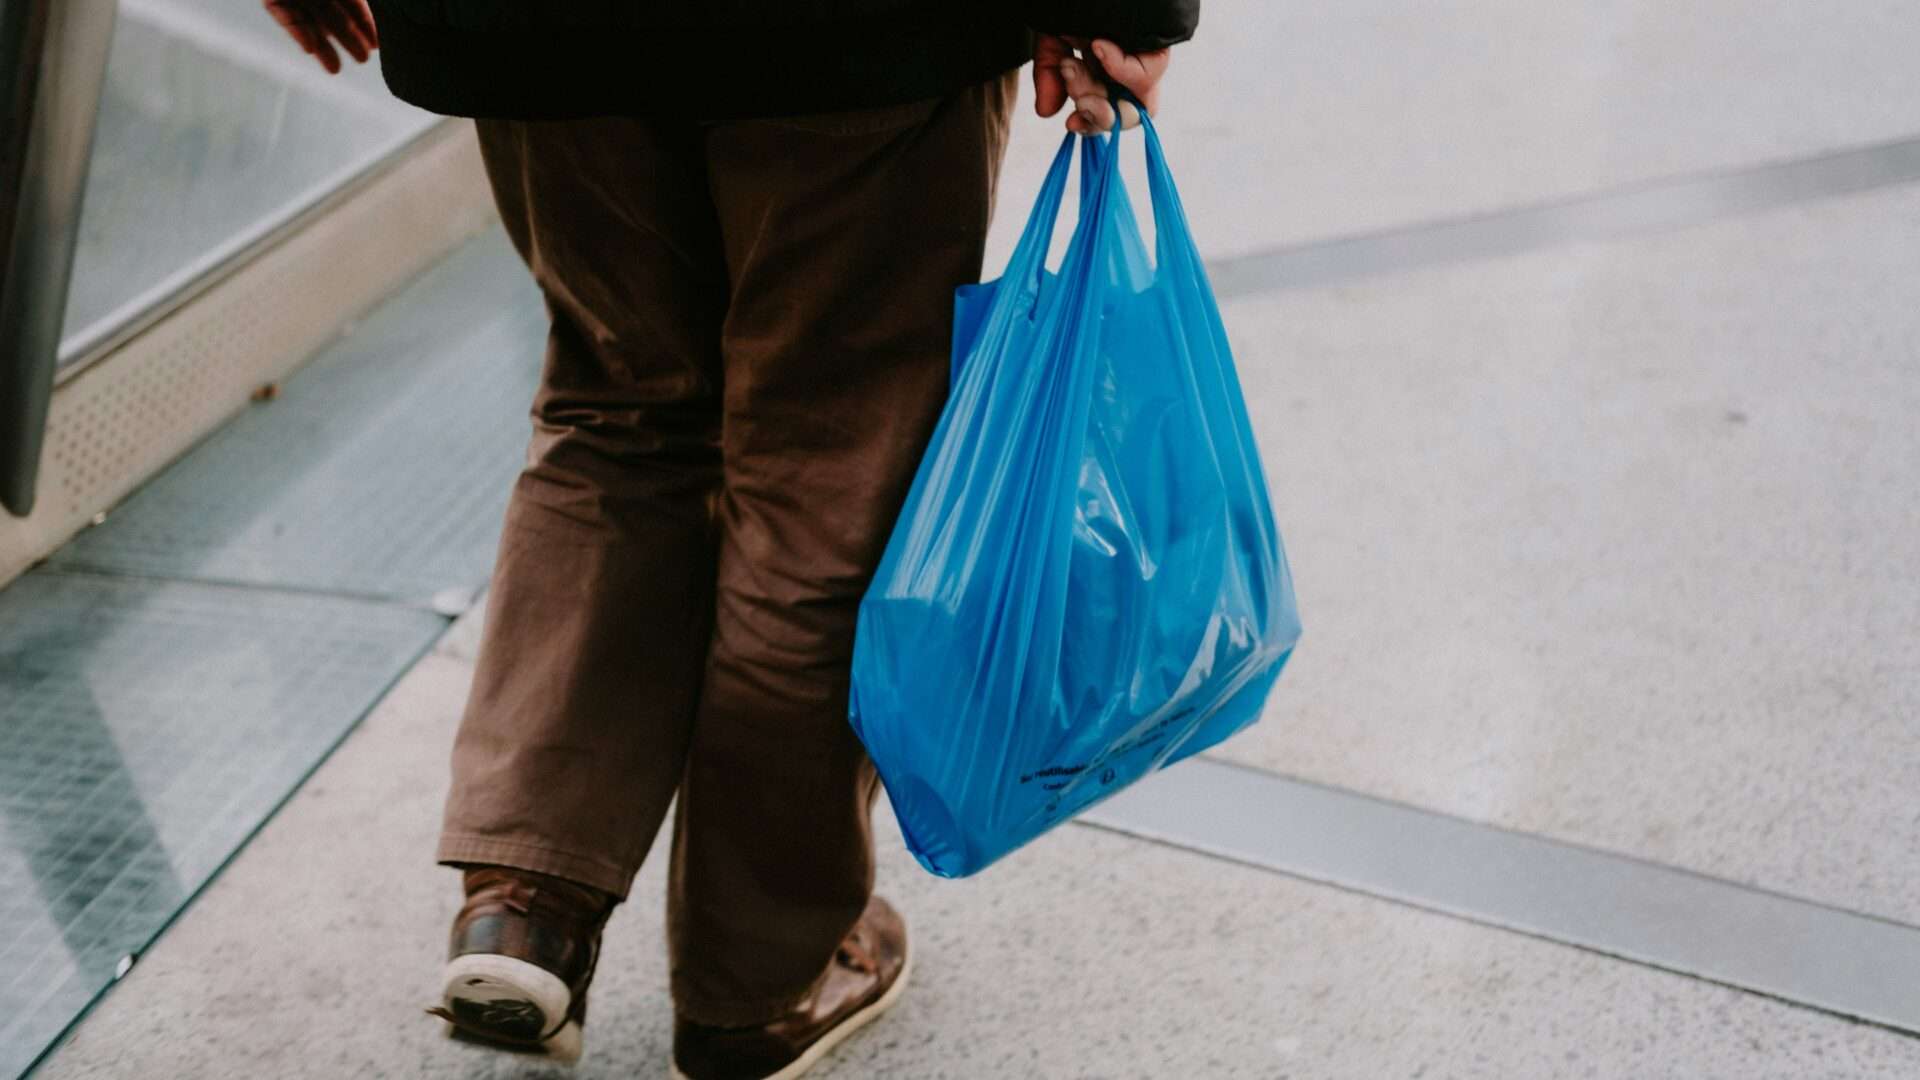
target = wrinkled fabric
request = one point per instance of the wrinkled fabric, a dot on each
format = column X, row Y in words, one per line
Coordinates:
column 1086, row 583
column 748, row 352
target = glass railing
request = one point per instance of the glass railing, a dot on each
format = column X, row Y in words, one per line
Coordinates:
column 213, row 132
column 209, row 135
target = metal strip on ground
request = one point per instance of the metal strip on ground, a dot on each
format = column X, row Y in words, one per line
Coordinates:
column 1666, row 204
column 1841, row 962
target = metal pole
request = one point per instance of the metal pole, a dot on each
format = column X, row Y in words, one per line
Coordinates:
column 53, row 62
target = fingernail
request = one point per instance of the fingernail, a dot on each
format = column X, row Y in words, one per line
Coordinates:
column 1069, row 69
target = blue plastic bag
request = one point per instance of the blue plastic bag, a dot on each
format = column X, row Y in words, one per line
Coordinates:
column 1085, row 583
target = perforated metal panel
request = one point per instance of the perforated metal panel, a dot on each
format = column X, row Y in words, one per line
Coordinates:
column 121, row 418
column 146, row 729
column 382, row 468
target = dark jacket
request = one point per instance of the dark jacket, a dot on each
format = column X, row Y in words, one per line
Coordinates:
column 728, row 59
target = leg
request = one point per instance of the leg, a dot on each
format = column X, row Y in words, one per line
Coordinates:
column 845, row 237
column 575, row 735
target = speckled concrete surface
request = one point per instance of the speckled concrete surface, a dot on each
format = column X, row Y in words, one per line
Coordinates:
column 1612, row 543
column 1293, row 122
column 1088, row 955
column 1617, row 543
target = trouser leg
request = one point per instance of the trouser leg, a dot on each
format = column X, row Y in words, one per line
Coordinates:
column 575, row 736
column 845, row 237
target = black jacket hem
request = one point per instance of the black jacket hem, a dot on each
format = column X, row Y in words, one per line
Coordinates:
column 695, row 75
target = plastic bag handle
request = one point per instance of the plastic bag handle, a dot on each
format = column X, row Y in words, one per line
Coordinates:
column 1029, row 259
column 1118, row 93
column 1098, row 163
column 1090, row 148
column 1167, row 209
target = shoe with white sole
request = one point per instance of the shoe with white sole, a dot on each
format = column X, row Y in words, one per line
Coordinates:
column 868, row 974
column 520, row 958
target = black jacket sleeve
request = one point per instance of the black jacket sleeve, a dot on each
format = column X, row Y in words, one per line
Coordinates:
column 1134, row 25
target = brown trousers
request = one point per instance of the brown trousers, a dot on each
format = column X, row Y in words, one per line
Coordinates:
column 748, row 353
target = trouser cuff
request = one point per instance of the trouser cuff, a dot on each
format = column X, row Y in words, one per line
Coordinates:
column 736, row 1013
column 459, row 848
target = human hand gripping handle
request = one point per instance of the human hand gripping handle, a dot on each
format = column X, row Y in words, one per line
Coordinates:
column 1071, row 69
column 318, row 26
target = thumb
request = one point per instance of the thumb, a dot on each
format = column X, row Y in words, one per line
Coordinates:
column 1139, row 72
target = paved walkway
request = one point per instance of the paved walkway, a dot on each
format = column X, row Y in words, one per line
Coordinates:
column 1603, row 520
column 1087, row 955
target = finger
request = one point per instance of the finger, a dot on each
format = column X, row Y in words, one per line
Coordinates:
column 1094, row 114
column 362, row 17
column 349, row 12
column 1083, row 86
column 1049, row 89
column 324, row 52
column 1090, row 100
column 1138, row 72
column 304, row 37
column 1098, row 114
column 307, row 35
column 342, row 30
column 296, row 27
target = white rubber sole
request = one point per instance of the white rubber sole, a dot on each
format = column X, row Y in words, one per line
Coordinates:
column 838, row 1035
column 503, row 1000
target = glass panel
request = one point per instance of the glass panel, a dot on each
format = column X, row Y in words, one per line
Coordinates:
column 160, row 694
column 149, row 728
column 213, row 128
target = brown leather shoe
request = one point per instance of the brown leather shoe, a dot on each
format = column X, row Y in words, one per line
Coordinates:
column 868, row 974
column 519, row 959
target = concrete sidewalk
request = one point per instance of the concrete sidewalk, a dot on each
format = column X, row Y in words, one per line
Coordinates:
column 1086, row 955
column 1608, row 541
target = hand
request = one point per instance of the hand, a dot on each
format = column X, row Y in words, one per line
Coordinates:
column 1060, row 73
column 316, row 25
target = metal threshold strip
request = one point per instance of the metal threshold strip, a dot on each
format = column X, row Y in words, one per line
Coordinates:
column 1665, row 204
column 1836, row 961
